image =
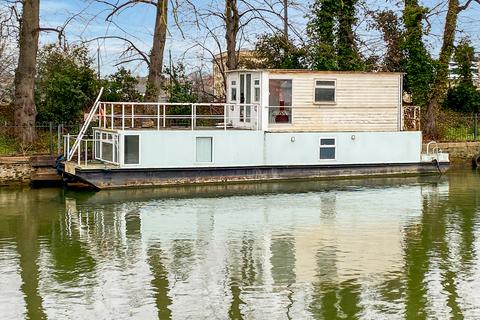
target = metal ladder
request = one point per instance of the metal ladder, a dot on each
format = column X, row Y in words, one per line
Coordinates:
column 85, row 126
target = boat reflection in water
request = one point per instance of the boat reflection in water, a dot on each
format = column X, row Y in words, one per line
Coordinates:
column 375, row 248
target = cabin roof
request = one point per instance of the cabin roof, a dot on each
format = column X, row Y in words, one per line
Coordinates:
column 306, row 71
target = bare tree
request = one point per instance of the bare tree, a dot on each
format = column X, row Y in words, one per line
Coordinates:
column 223, row 24
column 24, row 103
column 154, row 59
column 154, row 81
column 8, row 57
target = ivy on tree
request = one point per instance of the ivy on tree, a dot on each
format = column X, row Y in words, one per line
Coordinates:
column 332, row 41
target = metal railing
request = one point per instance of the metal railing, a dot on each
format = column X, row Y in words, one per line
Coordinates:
column 48, row 138
column 159, row 116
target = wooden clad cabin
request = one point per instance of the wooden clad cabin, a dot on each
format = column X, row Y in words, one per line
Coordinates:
column 303, row 100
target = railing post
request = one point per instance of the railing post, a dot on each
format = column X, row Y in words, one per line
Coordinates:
column 164, row 121
column 193, row 112
column 111, row 116
column 86, row 152
column 68, row 146
column 133, row 116
column 79, row 155
column 158, row 116
column 225, row 117
column 123, row 116
column 50, row 124
column 105, row 116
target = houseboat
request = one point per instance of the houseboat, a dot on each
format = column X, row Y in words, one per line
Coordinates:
column 275, row 125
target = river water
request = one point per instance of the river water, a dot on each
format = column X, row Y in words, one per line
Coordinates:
column 381, row 248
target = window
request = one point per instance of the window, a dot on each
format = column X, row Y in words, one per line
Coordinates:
column 97, row 145
column 280, row 101
column 233, row 90
column 256, row 90
column 280, row 93
column 131, row 150
column 204, row 149
column 327, row 149
column 325, row 91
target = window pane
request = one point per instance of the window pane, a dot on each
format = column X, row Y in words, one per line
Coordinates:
column 233, row 94
column 249, row 89
column 327, row 153
column 327, row 142
column 132, row 149
column 256, row 82
column 242, row 88
column 204, row 149
column 325, row 83
column 107, row 151
column 324, row 94
column 248, row 113
column 280, row 93
column 256, row 94
column 97, row 145
column 280, row 115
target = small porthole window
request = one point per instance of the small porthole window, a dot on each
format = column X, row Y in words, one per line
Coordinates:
column 327, row 149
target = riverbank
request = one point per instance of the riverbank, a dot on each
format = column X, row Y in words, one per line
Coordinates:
column 22, row 170
column 461, row 153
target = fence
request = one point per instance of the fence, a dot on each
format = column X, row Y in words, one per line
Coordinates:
column 454, row 127
column 49, row 139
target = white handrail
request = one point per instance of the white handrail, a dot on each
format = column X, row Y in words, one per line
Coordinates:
column 85, row 126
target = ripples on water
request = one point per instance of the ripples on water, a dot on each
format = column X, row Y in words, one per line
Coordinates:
column 370, row 249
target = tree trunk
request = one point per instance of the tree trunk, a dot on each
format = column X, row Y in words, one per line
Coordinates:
column 24, row 103
column 232, row 19
column 441, row 77
column 154, row 82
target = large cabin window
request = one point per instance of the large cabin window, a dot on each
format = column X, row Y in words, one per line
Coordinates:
column 204, row 149
column 131, row 150
column 280, row 101
column 325, row 91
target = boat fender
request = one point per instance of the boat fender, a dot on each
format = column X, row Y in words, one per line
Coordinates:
column 476, row 161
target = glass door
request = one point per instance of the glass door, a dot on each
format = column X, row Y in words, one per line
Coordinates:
column 245, row 97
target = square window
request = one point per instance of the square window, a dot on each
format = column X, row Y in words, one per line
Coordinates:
column 325, row 91
column 327, row 153
column 327, row 149
column 204, row 149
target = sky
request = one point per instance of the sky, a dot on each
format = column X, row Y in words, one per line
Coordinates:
column 137, row 22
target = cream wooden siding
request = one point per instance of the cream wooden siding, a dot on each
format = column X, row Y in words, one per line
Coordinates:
column 364, row 102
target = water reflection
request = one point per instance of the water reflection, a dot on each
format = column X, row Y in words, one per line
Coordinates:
column 376, row 248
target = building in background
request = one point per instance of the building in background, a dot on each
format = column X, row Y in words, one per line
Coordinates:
column 453, row 71
column 246, row 60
